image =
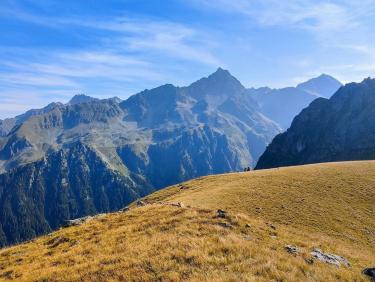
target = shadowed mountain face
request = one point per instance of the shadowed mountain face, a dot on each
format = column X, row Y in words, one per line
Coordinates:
column 89, row 155
column 282, row 105
column 68, row 183
column 337, row 129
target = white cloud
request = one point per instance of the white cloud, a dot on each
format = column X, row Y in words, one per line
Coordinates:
column 315, row 15
column 36, row 79
column 168, row 38
column 341, row 28
column 332, row 22
column 173, row 47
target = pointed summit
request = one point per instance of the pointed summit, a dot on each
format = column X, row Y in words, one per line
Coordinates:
column 324, row 85
column 221, row 72
column 368, row 79
column 81, row 98
column 217, row 87
column 221, row 75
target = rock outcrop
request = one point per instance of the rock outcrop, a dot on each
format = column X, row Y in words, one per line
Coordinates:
column 319, row 255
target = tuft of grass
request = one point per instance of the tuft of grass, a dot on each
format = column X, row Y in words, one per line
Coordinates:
column 330, row 206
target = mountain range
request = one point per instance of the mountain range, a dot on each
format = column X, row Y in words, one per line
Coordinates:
column 91, row 156
column 337, row 129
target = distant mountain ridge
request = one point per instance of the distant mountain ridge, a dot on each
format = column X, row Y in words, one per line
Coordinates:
column 282, row 105
column 270, row 102
column 322, row 86
column 8, row 124
column 338, row 129
column 81, row 98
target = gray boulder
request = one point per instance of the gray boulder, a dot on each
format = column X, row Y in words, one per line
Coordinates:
column 179, row 204
column 329, row 258
column 292, row 249
column 221, row 213
column 77, row 221
column 141, row 204
column 125, row 209
column 370, row 272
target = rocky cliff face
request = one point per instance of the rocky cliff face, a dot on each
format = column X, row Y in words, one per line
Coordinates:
column 337, row 129
column 90, row 155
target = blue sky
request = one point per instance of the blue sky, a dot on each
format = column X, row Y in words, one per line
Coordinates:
column 51, row 50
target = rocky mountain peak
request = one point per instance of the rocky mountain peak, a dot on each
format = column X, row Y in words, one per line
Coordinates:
column 216, row 88
column 115, row 99
column 81, row 98
column 324, row 85
column 369, row 80
column 224, row 77
column 220, row 73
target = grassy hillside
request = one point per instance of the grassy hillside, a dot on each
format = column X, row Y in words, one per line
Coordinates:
column 330, row 206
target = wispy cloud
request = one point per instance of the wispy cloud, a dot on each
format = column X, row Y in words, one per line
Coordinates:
column 36, row 80
column 334, row 23
column 63, row 67
column 337, row 26
column 121, row 50
column 314, row 15
column 168, row 38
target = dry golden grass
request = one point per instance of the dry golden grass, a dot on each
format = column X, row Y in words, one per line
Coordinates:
column 330, row 206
